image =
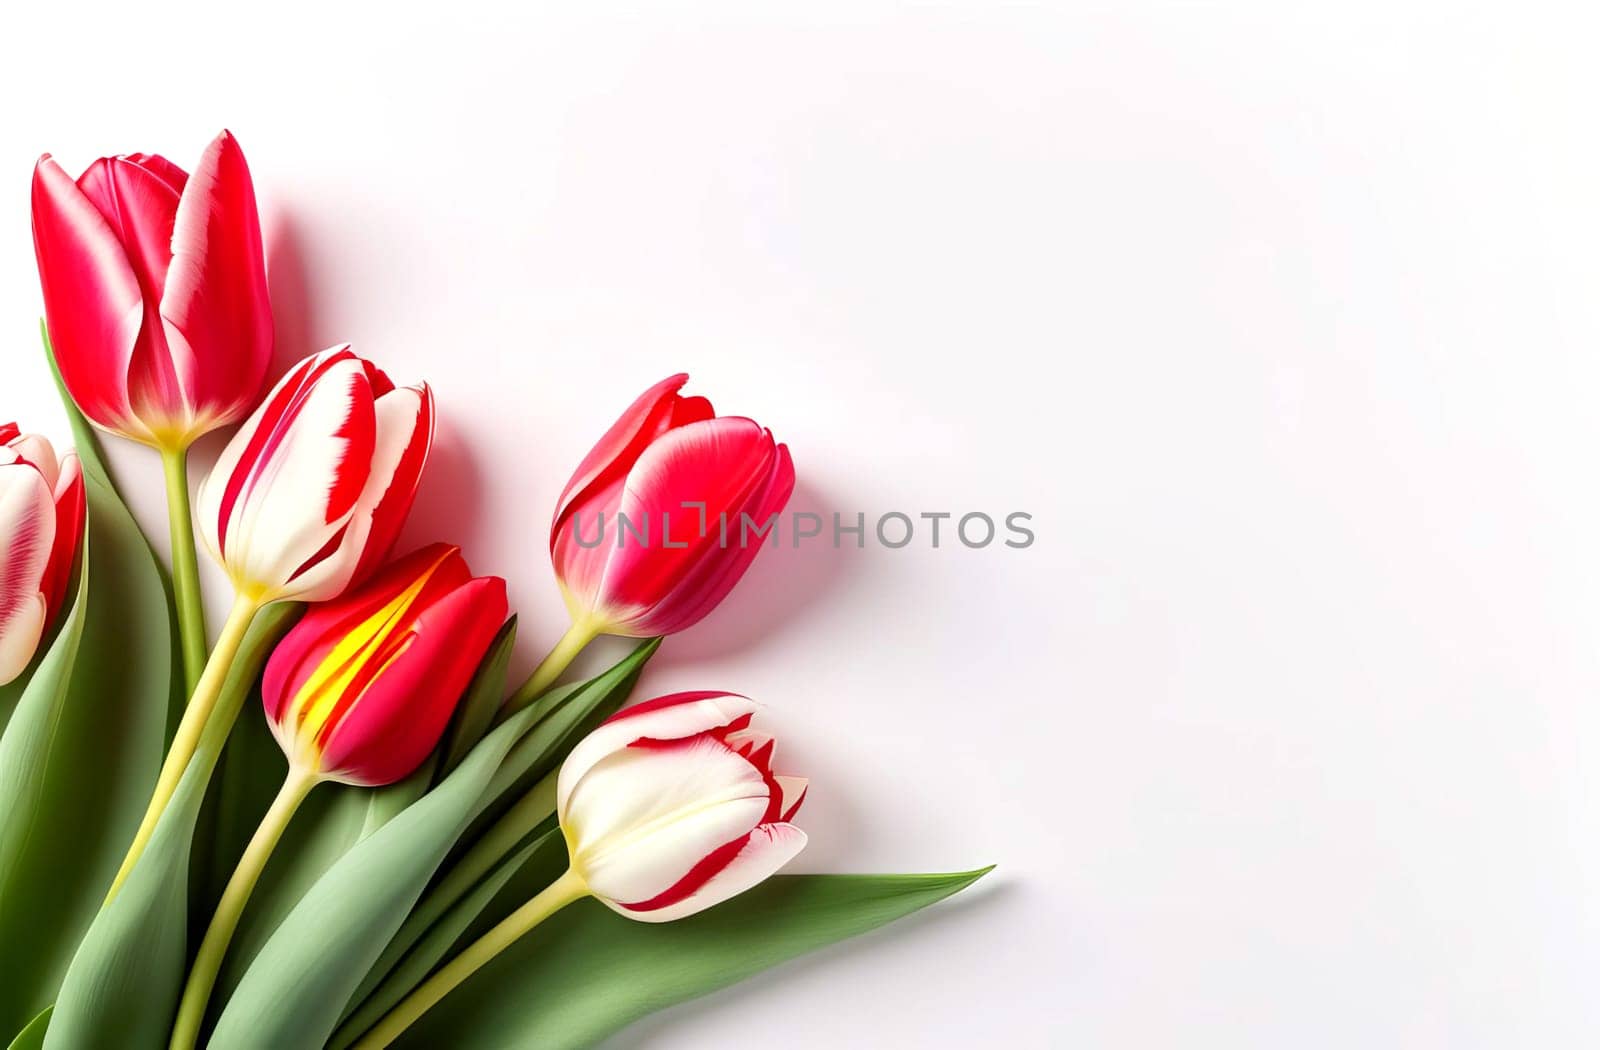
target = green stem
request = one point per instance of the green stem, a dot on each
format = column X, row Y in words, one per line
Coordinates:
column 208, row 961
column 503, row 836
column 185, row 567
column 195, row 717
column 560, row 893
column 580, row 634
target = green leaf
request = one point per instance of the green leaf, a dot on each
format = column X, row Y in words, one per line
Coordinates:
column 588, row 972
column 82, row 748
column 563, row 716
column 297, row 985
column 487, row 691
column 121, row 988
column 442, row 936
column 32, row 1037
column 28, row 971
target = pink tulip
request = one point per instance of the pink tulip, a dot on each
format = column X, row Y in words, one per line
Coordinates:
column 41, row 524
column 362, row 688
column 671, row 807
column 311, row 493
column 155, row 290
column 666, row 457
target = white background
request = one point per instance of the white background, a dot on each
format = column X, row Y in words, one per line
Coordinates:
column 1280, row 320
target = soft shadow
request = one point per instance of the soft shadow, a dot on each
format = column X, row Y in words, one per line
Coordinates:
column 783, row 583
column 449, row 499
column 647, row 1031
column 293, row 303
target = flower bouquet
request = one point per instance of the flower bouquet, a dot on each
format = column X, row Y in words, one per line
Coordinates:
column 346, row 820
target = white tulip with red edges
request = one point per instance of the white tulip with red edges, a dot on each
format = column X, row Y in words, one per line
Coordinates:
column 668, row 808
column 311, row 492
column 672, row 806
column 41, row 522
column 304, row 502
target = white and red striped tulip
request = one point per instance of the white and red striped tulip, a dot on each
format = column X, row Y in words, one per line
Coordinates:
column 311, row 493
column 671, row 806
column 41, row 523
column 669, row 459
column 155, row 290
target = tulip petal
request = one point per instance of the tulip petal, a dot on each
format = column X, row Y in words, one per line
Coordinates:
column 650, row 415
column 671, row 717
column 70, row 502
column 287, row 485
column 92, row 298
column 642, row 818
column 704, row 587
column 27, row 532
column 767, row 849
column 754, row 746
column 388, row 731
column 215, row 299
column 793, row 793
column 138, row 203
column 731, row 465
column 405, row 437
column 37, row 451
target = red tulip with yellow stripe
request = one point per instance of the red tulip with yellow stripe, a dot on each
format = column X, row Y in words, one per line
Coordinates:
column 361, row 689
column 358, row 692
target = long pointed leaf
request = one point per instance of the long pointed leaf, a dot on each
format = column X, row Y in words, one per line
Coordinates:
column 589, row 972
column 82, row 748
column 121, row 988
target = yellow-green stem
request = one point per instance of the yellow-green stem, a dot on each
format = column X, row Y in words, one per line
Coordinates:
column 560, row 893
column 580, row 634
column 185, row 567
column 208, row 961
column 195, row 716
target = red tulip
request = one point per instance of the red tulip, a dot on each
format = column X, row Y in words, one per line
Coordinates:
column 362, row 688
column 41, row 523
column 155, row 290
column 311, row 493
column 666, row 457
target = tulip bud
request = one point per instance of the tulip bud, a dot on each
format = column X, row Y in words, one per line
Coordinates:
column 671, row 807
column 41, row 523
column 687, row 478
column 362, row 688
column 155, row 291
column 311, row 492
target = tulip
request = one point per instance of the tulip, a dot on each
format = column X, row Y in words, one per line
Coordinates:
column 155, row 295
column 155, row 290
column 361, row 689
column 41, row 524
column 305, row 500
column 311, row 492
column 679, row 483
column 668, row 808
column 358, row 692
